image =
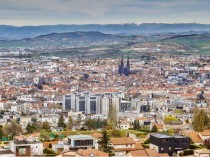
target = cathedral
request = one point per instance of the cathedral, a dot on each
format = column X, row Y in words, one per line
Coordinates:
column 124, row 69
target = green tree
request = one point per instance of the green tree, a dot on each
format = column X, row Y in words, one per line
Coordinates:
column 46, row 126
column 112, row 118
column 44, row 136
column 136, row 124
column 200, row 119
column 70, row 123
column 12, row 129
column 90, row 124
column 61, row 122
column 170, row 131
column 187, row 121
column 34, row 120
column 18, row 120
column 1, row 133
column 30, row 128
column 170, row 119
column 116, row 133
column 154, row 129
column 100, row 123
column 104, row 143
column 37, row 125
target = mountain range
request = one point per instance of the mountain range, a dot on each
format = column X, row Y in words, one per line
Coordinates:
column 20, row 32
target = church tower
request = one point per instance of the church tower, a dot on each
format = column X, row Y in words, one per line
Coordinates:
column 127, row 69
column 121, row 67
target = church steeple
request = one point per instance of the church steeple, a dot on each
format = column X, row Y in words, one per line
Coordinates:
column 128, row 66
column 125, row 70
column 122, row 61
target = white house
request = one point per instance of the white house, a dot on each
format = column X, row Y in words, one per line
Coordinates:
column 21, row 146
column 202, row 152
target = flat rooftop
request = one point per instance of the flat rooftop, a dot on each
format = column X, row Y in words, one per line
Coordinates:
column 166, row 136
column 80, row 137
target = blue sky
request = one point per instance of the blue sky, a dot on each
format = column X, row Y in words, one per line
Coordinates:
column 43, row 12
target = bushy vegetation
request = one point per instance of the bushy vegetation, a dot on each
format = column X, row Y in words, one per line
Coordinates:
column 170, row 119
column 200, row 120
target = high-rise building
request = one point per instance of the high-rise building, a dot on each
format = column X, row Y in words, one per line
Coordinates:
column 92, row 103
column 66, row 102
column 69, row 102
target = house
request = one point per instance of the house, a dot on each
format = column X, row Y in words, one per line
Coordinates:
column 122, row 145
column 160, row 126
column 137, row 153
column 74, row 143
column 202, row 152
column 138, row 146
column 34, row 136
column 96, row 136
column 205, row 135
column 169, row 144
column 124, row 125
column 144, row 121
column 57, row 129
column 91, row 152
column 195, row 137
column 6, row 153
column 143, row 153
column 81, row 141
column 21, row 146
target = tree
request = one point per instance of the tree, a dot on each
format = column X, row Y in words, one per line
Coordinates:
column 90, row 124
column 170, row 119
column 154, row 129
column 38, row 125
column 187, row 121
column 170, row 131
column 30, row 128
column 200, row 119
column 34, row 120
column 18, row 120
column 136, row 124
column 70, row 123
column 13, row 129
column 116, row 133
column 1, row 132
column 104, row 143
column 112, row 117
column 45, row 136
column 61, row 122
column 46, row 126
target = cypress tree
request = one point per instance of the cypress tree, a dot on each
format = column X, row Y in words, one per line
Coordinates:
column 104, row 143
column 61, row 122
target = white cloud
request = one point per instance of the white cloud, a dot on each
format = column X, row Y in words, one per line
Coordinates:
column 102, row 11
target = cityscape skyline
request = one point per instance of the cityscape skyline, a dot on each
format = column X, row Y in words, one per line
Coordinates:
column 24, row 12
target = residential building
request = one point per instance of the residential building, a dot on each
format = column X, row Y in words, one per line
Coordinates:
column 169, row 144
column 21, row 146
column 123, row 145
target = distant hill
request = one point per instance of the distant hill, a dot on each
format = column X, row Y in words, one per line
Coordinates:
column 195, row 42
column 70, row 39
column 13, row 32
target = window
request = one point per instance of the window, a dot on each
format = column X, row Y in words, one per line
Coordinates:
column 169, row 148
column 162, row 148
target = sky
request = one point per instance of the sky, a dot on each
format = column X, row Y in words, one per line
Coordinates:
column 49, row 12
